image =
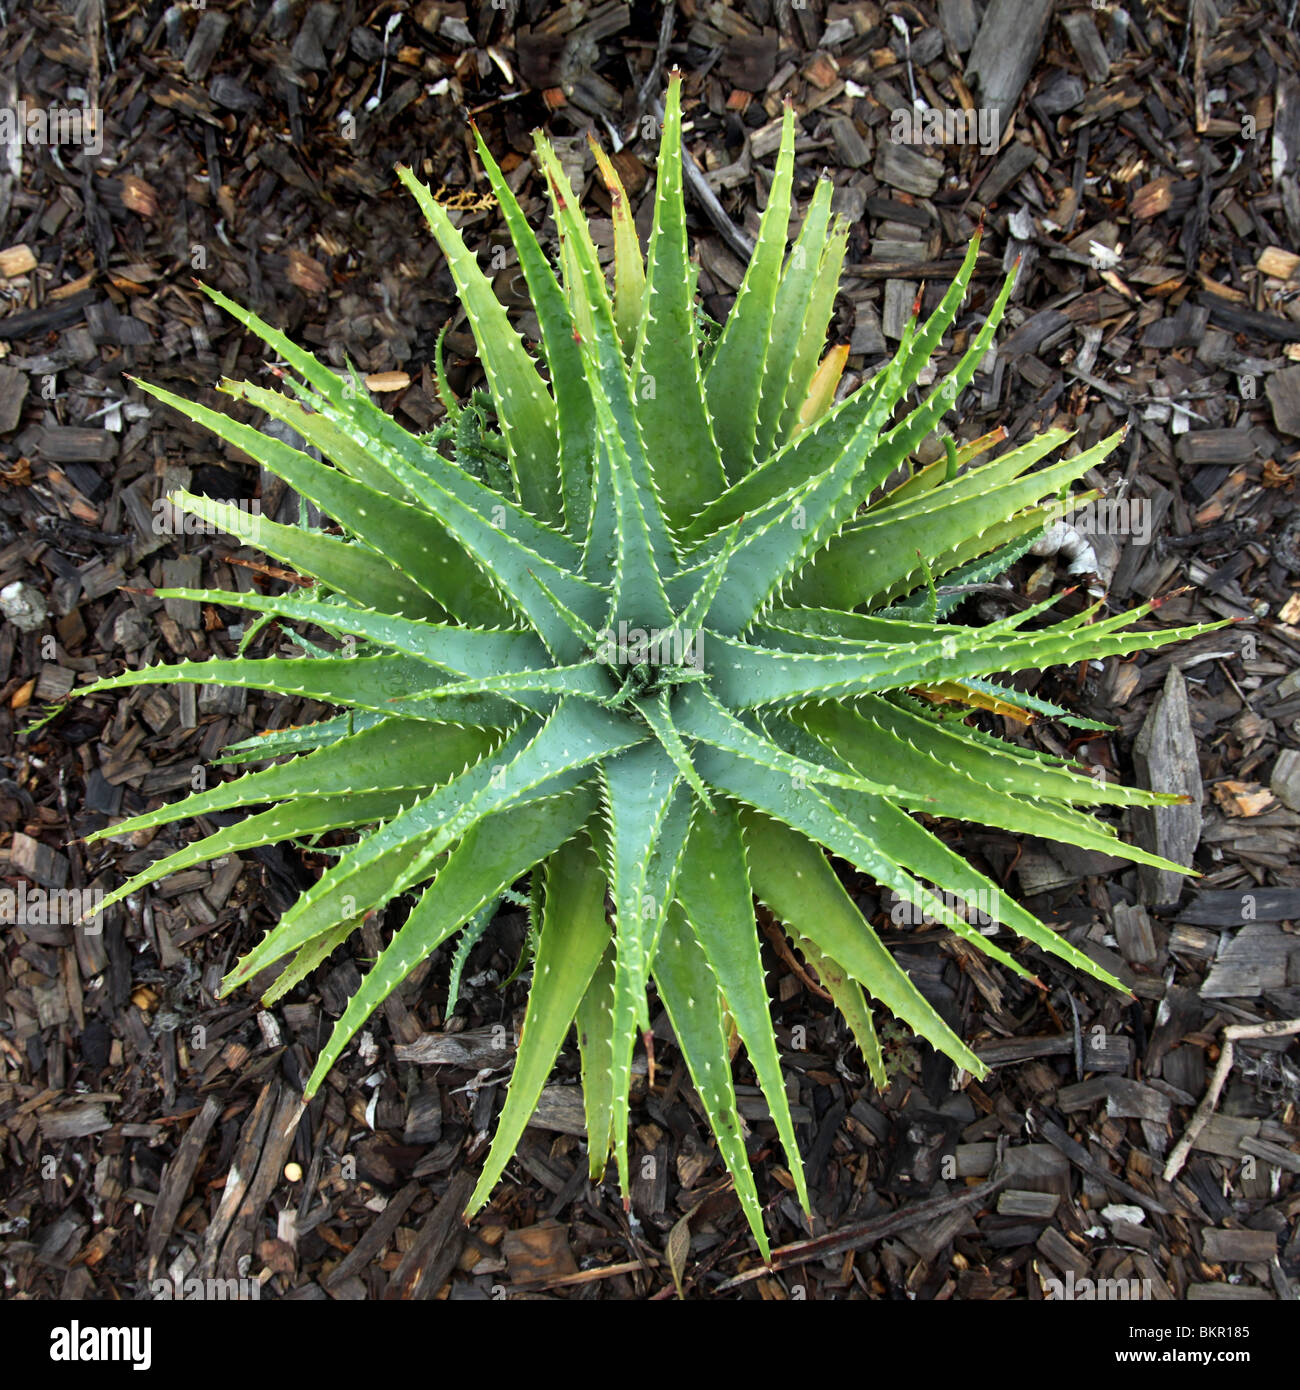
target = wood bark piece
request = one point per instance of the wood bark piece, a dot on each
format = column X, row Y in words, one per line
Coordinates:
column 374, row 1239
column 1125, row 1098
column 1082, row 33
column 1274, row 261
column 538, row 1254
column 1238, row 1245
column 1165, row 758
column 1251, row 322
column 74, row 444
column 427, row 1264
column 31, row 323
column 474, row 1047
column 1133, row 933
column 1224, row 907
column 1198, row 447
column 559, row 1108
column 280, row 1133
column 1254, row 962
column 1005, row 49
column 1285, row 781
column 1083, row 1160
column 238, row 1177
column 1286, row 150
column 177, row 1179
column 13, row 392
column 1015, row 160
column 1283, row 392
column 38, row 861
column 959, row 20
column 900, row 166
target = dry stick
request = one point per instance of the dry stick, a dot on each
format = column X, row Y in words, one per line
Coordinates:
column 1233, row 1033
column 651, row 79
column 837, row 1242
column 587, row 1276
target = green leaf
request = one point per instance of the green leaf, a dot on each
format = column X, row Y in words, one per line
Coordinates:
column 980, row 571
column 644, row 546
column 629, row 267
column 365, row 577
column 407, row 535
column 870, row 559
column 573, row 939
column 951, row 789
column 323, row 434
column 798, row 321
column 648, row 811
column 701, row 717
column 523, row 403
column 391, row 756
column 747, row 676
column 575, row 414
column 394, row 867
column 905, row 843
column 469, row 938
column 690, row 994
column 532, row 764
column 305, row 816
column 714, row 891
column 586, row 679
column 366, row 682
column 814, row 450
column 791, row 875
column 657, row 714
column 995, row 763
column 473, row 512
column 734, row 379
column 462, row 650
column 779, row 538
column 306, row 959
column 300, row 738
column 849, row 1000
column 596, row 1041
column 670, row 402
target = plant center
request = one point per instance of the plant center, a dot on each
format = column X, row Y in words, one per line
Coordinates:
column 645, row 662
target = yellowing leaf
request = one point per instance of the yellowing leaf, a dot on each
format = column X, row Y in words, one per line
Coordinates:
column 955, row 693
column 629, row 267
column 821, row 392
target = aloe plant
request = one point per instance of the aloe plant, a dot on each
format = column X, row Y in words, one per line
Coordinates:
column 658, row 628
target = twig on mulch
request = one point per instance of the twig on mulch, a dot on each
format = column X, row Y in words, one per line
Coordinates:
column 1234, row 1033
column 821, row 1247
